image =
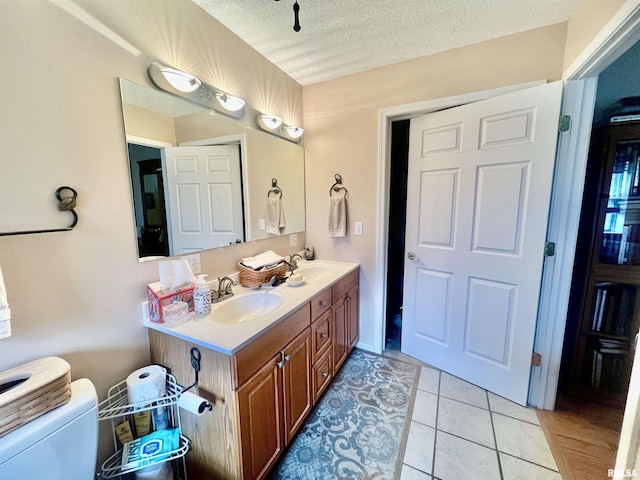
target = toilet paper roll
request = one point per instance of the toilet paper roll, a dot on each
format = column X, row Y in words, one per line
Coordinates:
column 193, row 403
column 146, row 384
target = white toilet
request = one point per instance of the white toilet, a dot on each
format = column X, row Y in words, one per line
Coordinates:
column 59, row 445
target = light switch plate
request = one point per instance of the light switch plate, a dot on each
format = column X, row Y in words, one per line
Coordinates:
column 358, row 228
column 293, row 239
column 261, row 224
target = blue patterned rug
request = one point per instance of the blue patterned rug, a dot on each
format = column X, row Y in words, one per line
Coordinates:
column 359, row 428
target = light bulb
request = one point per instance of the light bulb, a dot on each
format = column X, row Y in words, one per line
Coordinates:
column 229, row 102
column 271, row 121
column 295, row 132
column 185, row 82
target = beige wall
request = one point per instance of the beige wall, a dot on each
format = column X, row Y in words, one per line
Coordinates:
column 585, row 23
column 341, row 136
column 77, row 294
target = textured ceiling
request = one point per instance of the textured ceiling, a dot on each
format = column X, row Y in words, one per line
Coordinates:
column 339, row 37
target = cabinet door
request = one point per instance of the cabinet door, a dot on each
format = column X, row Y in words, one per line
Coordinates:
column 618, row 227
column 296, row 382
column 261, row 420
column 353, row 312
column 340, row 330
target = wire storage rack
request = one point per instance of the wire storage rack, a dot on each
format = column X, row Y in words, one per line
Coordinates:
column 116, row 408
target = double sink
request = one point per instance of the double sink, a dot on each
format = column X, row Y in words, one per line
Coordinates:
column 236, row 321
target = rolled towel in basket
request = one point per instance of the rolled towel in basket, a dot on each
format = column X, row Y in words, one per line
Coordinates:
column 266, row 259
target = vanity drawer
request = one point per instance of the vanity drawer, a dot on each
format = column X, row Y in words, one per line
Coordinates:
column 322, row 374
column 249, row 359
column 345, row 284
column 320, row 303
column 320, row 335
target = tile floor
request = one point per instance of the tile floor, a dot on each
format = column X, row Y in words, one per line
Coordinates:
column 460, row 432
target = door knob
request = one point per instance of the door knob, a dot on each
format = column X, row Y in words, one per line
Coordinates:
column 412, row 256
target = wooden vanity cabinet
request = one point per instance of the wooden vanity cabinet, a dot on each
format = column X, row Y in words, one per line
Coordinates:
column 263, row 393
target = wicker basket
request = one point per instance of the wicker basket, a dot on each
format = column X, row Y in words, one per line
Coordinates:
column 256, row 278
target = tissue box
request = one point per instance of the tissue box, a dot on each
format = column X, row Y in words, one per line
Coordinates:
column 159, row 300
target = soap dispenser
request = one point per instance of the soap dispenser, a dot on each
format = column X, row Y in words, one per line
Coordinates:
column 202, row 297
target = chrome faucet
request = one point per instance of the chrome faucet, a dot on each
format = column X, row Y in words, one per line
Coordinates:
column 293, row 261
column 224, row 289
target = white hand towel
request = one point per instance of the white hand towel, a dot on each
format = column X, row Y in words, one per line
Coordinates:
column 5, row 312
column 275, row 215
column 337, row 224
column 265, row 259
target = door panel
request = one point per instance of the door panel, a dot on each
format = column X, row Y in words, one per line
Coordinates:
column 479, row 187
column 204, row 191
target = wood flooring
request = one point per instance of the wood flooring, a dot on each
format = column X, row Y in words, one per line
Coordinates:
column 583, row 437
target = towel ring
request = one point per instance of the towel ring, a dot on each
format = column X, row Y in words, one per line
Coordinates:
column 67, row 203
column 336, row 188
column 275, row 188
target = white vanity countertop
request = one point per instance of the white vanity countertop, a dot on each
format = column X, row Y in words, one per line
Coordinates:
column 228, row 338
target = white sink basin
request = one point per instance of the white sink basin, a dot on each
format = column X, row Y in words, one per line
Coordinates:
column 246, row 307
column 315, row 271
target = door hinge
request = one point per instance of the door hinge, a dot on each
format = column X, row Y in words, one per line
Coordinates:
column 549, row 249
column 536, row 359
column 565, row 123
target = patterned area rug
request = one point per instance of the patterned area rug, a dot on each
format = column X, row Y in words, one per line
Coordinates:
column 359, row 428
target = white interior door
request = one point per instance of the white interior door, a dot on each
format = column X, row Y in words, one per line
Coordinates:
column 204, row 193
column 479, row 187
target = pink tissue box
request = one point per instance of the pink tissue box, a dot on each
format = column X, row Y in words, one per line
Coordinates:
column 158, row 300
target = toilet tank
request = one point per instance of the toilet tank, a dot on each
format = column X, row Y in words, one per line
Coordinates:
column 60, row 445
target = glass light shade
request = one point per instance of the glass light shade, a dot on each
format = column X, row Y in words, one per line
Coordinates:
column 179, row 80
column 271, row 121
column 229, row 102
column 295, row 132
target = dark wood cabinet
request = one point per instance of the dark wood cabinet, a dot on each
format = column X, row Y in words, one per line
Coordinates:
column 605, row 337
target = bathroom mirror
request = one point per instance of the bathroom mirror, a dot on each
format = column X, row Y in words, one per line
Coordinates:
column 200, row 180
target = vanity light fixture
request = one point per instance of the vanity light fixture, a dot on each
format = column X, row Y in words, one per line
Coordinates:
column 270, row 122
column 183, row 81
column 229, row 102
column 190, row 88
column 294, row 132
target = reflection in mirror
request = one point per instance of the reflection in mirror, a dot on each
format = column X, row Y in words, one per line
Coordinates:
column 200, row 180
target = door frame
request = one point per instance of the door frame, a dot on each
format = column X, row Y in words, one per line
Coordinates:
column 615, row 38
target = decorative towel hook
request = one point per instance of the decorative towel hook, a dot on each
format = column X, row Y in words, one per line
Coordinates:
column 275, row 188
column 335, row 187
column 65, row 204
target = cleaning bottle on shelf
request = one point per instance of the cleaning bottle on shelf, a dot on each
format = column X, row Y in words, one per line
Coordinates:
column 202, row 297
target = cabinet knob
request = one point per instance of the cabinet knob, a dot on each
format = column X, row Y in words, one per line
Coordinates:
column 325, row 374
column 324, row 303
column 325, row 335
column 348, row 298
column 281, row 364
column 287, row 358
